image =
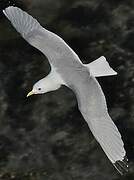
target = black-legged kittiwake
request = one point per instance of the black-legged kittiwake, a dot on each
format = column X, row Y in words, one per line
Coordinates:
column 68, row 70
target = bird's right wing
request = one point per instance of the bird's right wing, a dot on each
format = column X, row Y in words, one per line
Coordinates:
column 47, row 42
column 92, row 105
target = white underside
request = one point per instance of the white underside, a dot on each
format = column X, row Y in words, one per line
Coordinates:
column 56, row 76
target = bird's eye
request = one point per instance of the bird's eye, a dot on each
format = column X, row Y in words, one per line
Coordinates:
column 39, row 89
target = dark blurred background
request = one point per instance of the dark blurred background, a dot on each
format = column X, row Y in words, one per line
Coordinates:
column 45, row 137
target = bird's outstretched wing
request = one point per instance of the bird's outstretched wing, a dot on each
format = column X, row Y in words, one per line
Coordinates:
column 92, row 104
column 47, row 42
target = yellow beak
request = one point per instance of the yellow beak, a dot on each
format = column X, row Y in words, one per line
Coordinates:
column 30, row 93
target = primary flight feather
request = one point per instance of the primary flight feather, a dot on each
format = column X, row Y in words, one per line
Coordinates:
column 67, row 69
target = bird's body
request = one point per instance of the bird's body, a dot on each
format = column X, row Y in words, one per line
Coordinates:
column 67, row 69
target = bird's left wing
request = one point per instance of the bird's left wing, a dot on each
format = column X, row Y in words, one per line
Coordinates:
column 92, row 104
column 47, row 42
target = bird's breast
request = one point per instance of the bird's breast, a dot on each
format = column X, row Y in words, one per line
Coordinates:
column 74, row 75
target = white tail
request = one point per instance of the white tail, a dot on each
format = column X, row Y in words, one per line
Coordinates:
column 100, row 67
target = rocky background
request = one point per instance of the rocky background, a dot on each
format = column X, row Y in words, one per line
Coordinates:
column 45, row 137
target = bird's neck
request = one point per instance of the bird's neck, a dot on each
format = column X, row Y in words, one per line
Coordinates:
column 52, row 81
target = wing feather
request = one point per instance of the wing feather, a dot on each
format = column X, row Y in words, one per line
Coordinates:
column 92, row 104
column 47, row 42
column 22, row 22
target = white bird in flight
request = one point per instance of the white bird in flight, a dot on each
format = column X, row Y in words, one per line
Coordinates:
column 68, row 70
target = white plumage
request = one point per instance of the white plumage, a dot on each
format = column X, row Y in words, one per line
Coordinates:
column 67, row 69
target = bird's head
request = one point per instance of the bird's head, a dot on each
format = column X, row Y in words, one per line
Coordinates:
column 44, row 85
column 38, row 88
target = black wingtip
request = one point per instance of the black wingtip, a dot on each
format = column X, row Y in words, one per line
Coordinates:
column 122, row 166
